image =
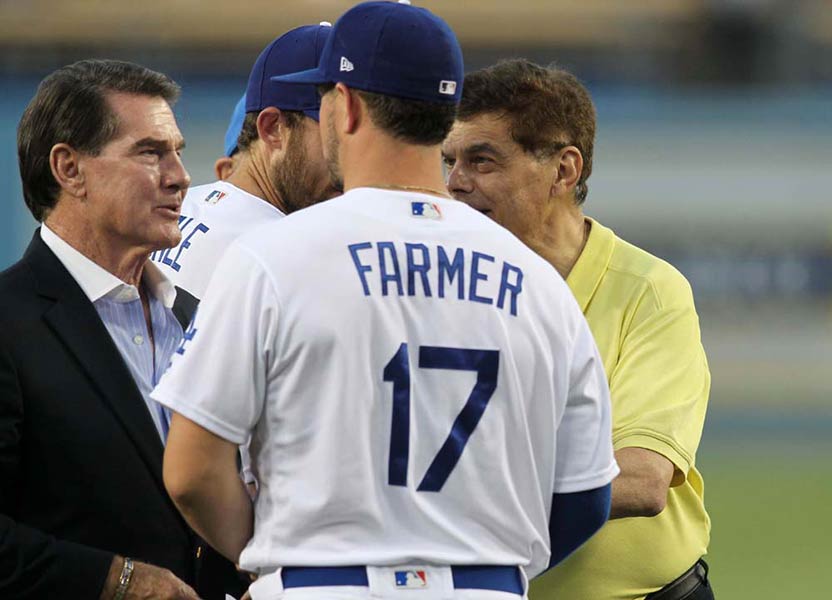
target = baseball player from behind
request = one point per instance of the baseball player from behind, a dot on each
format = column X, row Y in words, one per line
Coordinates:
column 430, row 415
column 280, row 166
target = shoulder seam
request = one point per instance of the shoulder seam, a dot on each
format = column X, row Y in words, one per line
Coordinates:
column 649, row 280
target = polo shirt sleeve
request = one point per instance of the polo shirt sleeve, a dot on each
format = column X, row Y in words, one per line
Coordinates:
column 584, row 458
column 219, row 375
column 660, row 383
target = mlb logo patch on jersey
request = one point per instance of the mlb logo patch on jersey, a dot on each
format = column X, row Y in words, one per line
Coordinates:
column 215, row 196
column 428, row 210
column 410, row 580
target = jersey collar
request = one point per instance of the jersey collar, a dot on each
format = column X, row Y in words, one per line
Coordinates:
column 241, row 193
column 588, row 271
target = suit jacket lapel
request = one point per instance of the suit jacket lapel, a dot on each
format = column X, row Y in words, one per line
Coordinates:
column 184, row 307
column 75, row 321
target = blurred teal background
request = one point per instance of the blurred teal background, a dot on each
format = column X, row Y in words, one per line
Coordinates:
column 714, row 151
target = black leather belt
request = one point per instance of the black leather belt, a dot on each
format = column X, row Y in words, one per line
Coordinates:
column 680, row 587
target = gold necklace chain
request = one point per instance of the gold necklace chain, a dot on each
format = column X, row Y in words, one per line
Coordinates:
column 410, row 188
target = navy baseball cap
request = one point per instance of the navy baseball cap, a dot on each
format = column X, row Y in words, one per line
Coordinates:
column 235, row 125
column 390, row 48
column 295, row 50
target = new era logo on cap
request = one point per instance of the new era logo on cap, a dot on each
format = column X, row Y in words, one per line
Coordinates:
column 346, row 65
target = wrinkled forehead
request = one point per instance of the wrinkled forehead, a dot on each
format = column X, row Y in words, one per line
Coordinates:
column 138, row 116
column 487, row 130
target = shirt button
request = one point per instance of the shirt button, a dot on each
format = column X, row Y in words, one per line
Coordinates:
column 138, row 339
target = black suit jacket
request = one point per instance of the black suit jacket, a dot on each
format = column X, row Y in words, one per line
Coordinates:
column 80, row 457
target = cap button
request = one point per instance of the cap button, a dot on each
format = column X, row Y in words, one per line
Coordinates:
column 404, row 2
column 325, row 24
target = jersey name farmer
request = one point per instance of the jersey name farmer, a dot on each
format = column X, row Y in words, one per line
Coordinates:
column 418, row 382
column 426, row 271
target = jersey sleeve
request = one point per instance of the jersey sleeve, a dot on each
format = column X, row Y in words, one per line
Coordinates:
column 661, row 383
column 584, row 457
column 218, row 375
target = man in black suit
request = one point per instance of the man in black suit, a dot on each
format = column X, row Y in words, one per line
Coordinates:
column 86, row 330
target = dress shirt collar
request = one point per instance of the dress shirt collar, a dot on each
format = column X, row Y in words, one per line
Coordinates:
column 96, row 282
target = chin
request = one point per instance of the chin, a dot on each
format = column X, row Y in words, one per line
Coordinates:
column 168, row 237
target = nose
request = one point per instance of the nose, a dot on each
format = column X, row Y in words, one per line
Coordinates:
column 175, row 176
column 459, row 184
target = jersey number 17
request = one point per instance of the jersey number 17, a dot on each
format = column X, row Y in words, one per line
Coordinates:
column 486, row 365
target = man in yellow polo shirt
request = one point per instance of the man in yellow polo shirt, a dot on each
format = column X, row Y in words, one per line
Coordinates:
column 521, row 152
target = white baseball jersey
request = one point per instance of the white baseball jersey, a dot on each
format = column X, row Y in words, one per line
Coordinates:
column 418, row 383
column 212, row 216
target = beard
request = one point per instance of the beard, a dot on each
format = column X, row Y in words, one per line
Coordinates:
column 298, row 185
column 333, row 147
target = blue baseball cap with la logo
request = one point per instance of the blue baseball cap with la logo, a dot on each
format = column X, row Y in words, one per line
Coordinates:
column 390, row 48
column 297, row 49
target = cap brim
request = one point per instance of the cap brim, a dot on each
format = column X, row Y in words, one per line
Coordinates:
column 311, row 76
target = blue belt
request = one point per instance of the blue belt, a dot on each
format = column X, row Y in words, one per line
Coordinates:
column 480, row 577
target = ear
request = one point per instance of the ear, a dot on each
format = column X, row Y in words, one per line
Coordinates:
column 223, row 167
column 271, row 128
column 64, row 161
column 353, row 108
column 569, row 164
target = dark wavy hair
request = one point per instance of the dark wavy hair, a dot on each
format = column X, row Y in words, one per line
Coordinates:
column 548, row 109
column 70, row 107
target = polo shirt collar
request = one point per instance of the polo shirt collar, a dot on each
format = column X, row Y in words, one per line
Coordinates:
column 591, row 265
column 96, row 282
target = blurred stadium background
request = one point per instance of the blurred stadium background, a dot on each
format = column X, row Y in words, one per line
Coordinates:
column 714, row 151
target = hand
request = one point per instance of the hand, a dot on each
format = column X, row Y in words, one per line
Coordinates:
column 147, row 583
column 154, row 583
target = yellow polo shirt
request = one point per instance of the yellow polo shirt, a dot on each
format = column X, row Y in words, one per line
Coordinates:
column 641, row 313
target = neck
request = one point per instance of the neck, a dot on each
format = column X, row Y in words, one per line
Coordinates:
column 108, row 252
column 381, row 161
column 252, row 176
column 562, row 236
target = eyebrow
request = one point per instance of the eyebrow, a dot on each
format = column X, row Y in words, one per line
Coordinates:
column 483, row 147
column 159, row 144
